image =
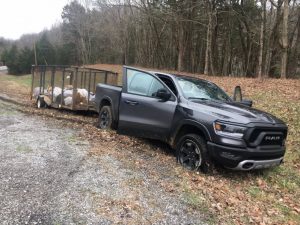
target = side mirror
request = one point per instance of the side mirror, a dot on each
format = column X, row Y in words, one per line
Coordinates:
column 238, row 97
column 247, row 102
column 237, row 94
column 163, row 94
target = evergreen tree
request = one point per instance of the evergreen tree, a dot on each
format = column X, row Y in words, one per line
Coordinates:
column 45, row 51
column 25, row 60
column 11, row 59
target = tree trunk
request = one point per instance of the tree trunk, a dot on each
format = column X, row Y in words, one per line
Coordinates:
column 208, row 44
column 284, row 40
column 293, row 59
column 261, row 40
column 180, row 48
column 273, row 37
column 225, row 58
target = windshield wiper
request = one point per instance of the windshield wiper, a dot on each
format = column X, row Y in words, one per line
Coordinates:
column 205, row 99
column 195, row 98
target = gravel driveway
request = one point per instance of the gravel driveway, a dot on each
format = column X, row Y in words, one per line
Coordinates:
column 48, row 176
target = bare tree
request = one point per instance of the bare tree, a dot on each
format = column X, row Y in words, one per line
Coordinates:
column 261, row 39
column 284, row 38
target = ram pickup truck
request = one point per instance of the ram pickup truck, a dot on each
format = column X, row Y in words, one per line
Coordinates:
column 195, row 117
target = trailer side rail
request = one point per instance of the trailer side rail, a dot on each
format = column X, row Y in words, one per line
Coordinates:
column 69, row 87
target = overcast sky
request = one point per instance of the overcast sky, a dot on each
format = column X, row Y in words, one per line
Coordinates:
column 19, row 17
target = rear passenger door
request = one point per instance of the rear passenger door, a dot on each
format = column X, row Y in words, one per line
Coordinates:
column 141, row 113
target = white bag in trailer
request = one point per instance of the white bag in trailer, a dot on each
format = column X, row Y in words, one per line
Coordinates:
column 68, row 93
column 83, row 93
column 56, row 92
column 68, row 101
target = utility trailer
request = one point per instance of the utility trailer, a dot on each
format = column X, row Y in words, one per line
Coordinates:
column 68, row 87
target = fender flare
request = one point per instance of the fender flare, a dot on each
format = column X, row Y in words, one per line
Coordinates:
column 193, row 123
column 107, row 98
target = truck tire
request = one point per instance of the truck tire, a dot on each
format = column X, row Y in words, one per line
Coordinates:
column 191, row 152
column 105, row 120
column 40, row 103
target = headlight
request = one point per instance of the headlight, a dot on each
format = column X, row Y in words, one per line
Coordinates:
column 229, row 130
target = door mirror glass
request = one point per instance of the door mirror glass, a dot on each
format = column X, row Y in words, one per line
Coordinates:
column 163, row 94
column 237, row 95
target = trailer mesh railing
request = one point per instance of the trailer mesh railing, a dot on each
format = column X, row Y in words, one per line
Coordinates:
column 69, row 87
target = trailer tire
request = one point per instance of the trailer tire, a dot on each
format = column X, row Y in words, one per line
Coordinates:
column 105, row 119
column 40, row 103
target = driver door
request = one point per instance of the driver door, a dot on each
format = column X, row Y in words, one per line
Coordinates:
column 141, row 113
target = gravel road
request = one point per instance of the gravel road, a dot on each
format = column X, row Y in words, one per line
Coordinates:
column 49, row 176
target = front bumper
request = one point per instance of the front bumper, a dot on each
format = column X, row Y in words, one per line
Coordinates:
column 246, row 158
column 258, row 164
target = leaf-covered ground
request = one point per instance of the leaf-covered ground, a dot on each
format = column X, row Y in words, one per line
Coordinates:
column 227, row 197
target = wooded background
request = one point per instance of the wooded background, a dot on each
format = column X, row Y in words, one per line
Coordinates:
column 251, row 38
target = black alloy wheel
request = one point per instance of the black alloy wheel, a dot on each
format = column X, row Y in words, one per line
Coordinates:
column 192, row 153
column 105, row 118
column 189, row 155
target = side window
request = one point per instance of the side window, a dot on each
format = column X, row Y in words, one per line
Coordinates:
column 142, row 83
column 169, row 83
column 155, row 86
column 130, row 74
column 139, row 83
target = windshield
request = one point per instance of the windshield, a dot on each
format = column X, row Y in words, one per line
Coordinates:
column 200, row 89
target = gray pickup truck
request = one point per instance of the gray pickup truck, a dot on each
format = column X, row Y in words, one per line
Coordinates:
column 195, row 117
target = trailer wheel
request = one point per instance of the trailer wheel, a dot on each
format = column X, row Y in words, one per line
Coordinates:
column 105, row 118
column 40, row 103
column 192, row 153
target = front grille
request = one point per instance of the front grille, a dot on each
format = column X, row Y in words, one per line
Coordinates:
column 266, row 136
column 272, row 142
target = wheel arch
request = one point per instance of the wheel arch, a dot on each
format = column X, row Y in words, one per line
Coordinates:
column 105, row 102
column 188, row 127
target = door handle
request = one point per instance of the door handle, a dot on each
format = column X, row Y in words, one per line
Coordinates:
column 131, row 102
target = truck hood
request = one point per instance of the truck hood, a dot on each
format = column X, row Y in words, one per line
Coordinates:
column 234, row 112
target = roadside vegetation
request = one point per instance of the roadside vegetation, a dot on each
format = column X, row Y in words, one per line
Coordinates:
column 240, row 38
column 227, row 197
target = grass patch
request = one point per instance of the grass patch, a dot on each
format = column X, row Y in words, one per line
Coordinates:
column 24, row 149
column 194, row 200
column 285, row 177
column 71, row 139
column 287, row 215
column 23, row 80
column 254, row 191
column 7, row 113
column 197, row 202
